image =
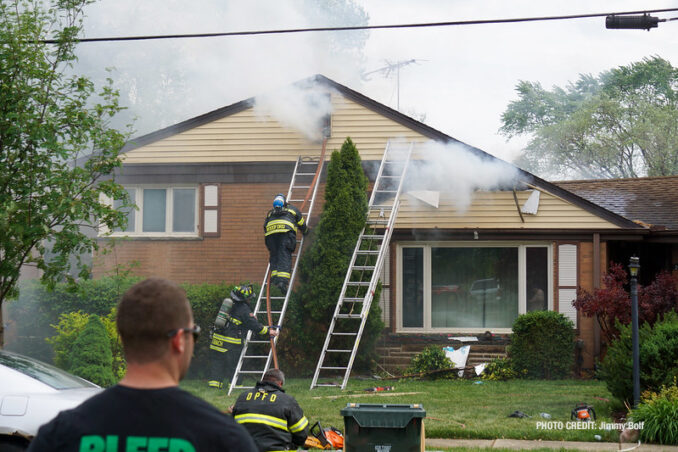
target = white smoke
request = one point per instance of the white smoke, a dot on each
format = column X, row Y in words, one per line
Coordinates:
column 457, row 171
column 303, row 108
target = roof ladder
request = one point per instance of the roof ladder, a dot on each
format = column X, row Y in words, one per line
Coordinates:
column 355, row 299
column 256, row 355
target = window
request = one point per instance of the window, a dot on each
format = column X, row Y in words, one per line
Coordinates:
column 162, row 211
column 469, row 287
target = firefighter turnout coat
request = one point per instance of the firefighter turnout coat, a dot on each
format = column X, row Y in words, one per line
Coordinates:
column 274, row 419
column 280, row 230
column 232, row 334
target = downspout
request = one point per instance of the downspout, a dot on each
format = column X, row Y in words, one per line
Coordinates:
column 596, row 285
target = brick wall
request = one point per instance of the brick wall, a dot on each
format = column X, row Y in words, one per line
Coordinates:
column 239, row 254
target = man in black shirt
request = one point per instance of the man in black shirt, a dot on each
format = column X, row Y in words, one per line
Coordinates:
column 147, row 410
column 274, row 419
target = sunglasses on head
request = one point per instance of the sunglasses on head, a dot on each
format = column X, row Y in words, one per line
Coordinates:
column 195, row 331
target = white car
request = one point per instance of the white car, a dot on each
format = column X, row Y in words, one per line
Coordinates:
column 31, row 394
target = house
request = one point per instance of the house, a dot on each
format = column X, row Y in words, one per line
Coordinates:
column 477, row 241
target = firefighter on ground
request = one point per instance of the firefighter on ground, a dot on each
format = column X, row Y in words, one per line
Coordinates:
column 280, row 229
column 274, row 419
column 230, row 329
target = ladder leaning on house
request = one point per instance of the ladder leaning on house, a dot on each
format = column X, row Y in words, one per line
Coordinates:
column 350, row 314
column 256, row 354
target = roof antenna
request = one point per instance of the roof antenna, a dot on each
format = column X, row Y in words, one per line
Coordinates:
column 388, row 71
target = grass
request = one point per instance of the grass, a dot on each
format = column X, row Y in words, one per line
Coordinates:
column 457, row 408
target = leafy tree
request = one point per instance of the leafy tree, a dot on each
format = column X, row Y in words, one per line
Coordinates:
column 612, row 303
column 91, row 355
column 323, row 267
column 55, row 145
column 623, row 123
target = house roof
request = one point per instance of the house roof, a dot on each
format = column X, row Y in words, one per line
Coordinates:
column 398, row 117
column 650, row 200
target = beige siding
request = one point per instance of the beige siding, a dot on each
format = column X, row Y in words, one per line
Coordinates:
column 498, row 210
column 248, row 137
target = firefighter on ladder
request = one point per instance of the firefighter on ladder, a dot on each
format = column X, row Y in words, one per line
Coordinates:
column 280, row 229
column 235, row 317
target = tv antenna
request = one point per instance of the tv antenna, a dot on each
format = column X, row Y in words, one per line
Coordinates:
column 388, row 71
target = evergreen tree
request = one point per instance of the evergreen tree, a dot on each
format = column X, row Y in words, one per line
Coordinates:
column 92, row 358
column 323, row 267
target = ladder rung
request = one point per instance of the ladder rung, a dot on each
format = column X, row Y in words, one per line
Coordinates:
column 329, row 385
column 295, row 200
column 305, row 174
column 258, row 341
column 386, row 191
column 334, row 368
column 344, row 334
column 348, row 316
column 377, row 221
column 339, row 351
column 370, row 252
column 250, row 371
column 372, row 237
column 353, row 299
column 364, row 267
column 381, row 206
column 300, row 186
column 255, row 357
column 358, row 283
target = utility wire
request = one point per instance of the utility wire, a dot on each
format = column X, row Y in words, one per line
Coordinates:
column 362, row 27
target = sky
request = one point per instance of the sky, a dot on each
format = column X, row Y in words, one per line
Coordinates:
column 460, row 82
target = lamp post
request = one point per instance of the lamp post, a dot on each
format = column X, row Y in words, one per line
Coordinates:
column 634, row 266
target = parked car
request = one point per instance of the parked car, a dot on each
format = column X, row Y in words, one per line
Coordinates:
column 31, row 394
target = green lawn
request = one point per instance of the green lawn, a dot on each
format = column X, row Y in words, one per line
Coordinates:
column 457, row 408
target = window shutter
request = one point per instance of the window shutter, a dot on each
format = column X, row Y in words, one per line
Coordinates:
column 567, row 280
column 210, row 211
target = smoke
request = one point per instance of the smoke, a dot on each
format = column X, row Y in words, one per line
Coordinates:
column 166, row 81
column 303, row 108
column 455, row 170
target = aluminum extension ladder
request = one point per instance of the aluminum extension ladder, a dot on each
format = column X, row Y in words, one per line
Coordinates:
column 256, row 354
column 355, row 299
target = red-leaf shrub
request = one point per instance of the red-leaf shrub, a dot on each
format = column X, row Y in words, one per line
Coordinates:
column 612, row 302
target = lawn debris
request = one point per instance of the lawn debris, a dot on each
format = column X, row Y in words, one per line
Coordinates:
column 379, row 389
column 583, row 412
column 518, row 414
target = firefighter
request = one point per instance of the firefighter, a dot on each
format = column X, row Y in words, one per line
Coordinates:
column 274, row 419
column 230, row 328
column 280, row 229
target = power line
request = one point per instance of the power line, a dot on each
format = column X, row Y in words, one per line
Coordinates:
column 362, row 27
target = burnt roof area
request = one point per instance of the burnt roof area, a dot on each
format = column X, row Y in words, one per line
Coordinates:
column 650, row 201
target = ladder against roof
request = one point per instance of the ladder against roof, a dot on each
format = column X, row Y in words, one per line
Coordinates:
column 256, row 355
column 353, row 306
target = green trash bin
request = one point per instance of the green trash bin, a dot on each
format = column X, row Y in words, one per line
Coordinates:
column 383, row 428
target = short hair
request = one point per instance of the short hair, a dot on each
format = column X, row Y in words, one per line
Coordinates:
column 146, row 313
column 274, row 376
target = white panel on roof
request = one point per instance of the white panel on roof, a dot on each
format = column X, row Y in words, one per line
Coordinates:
column 532, row 204
column 565, row 298
column 567, row 265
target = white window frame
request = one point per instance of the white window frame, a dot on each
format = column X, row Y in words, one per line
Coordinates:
column 169, row 212
column 522, row 281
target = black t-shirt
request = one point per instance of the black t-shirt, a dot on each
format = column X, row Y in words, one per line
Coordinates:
column 124, row 419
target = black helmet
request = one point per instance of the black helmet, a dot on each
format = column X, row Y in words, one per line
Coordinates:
column 242, row 293
column 279, row 201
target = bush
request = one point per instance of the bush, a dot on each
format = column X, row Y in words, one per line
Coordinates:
column 322, row 270
column 658, row 358
column 91, row 355
column 612, row 303
column 542, row 345
column 432, row 358
column 659, row 414
column 500, row 369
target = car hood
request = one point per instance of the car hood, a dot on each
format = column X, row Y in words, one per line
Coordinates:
column 22, row 414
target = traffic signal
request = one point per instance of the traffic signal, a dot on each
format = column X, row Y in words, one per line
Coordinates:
column 644, row 22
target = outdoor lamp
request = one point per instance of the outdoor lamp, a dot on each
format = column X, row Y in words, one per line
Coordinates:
column 634, row 266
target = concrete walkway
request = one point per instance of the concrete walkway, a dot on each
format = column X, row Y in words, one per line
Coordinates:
column 518, row 444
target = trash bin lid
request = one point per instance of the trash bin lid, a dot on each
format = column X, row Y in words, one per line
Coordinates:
column 383, row 415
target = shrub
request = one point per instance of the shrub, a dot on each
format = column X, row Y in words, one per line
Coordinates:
column 500, row 369
column 659, row 414
column 658, row 345
column 71, row 326
column 323, row 267
column 432, row 358
column 91, row 355
column 542, row 345
column 612, row 303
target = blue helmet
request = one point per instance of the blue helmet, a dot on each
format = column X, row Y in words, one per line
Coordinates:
column 279, row 201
